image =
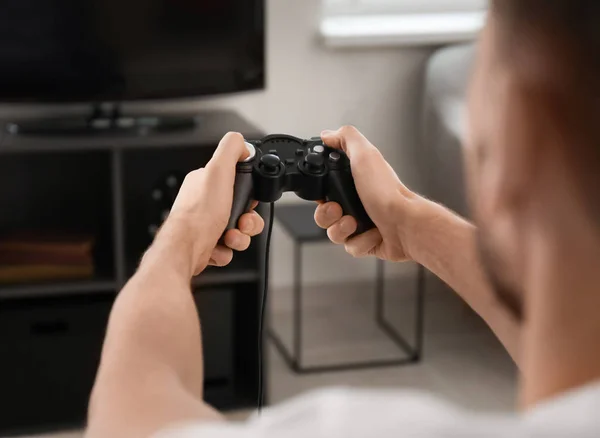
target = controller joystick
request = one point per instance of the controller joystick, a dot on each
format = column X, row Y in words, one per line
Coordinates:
column 314, row 163
column 270, row 164
column 312, row 170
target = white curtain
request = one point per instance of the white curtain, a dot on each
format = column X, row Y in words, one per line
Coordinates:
column 351, row 7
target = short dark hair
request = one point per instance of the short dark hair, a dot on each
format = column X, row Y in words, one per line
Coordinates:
column 570, row 24
column 565, row 35
column 577, row 18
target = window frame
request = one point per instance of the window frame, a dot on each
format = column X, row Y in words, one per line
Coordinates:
column 376, row 7
column 352, row 23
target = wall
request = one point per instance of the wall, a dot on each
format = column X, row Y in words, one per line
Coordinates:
column 311, row 88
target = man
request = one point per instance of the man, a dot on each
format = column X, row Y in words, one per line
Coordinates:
column 531, row 268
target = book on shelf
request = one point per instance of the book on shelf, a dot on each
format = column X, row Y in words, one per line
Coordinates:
column 32, row 273
column 45, row 256
column 47, row 243
column 14, row 257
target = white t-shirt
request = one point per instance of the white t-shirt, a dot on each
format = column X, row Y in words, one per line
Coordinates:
column 351, row 413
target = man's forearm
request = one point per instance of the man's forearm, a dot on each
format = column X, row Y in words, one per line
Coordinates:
column 153, row 344
column 446, row 245
column 154, row 321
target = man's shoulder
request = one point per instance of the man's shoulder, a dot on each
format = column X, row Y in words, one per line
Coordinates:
column 359, row 404
column 361, row 412
column 575, row 413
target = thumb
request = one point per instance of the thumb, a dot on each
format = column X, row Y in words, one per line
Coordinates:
column 349, row 139
column 230, row 151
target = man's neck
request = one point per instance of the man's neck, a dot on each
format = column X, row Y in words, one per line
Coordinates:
column 562, row 327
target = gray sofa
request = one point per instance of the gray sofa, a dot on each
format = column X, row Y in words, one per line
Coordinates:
column 444, row 124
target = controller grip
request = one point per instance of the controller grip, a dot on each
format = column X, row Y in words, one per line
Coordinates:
column 242, row 198
column 343, row 191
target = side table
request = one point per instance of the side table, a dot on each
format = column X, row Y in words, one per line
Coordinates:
column 298, row 222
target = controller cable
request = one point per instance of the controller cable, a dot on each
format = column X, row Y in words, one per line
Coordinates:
column 263, row 305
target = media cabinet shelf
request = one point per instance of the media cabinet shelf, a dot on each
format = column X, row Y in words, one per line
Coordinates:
column 212, row 278
column 51, row 333
column 242, row 269
column 38, row 290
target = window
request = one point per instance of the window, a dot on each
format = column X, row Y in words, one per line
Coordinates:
column 401, row 22
column 341, row 7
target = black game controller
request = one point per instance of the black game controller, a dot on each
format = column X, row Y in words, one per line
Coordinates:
column 311, row 169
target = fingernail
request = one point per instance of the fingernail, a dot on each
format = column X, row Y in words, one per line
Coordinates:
column 248, row 226
column 327, row 132
column 346, row 226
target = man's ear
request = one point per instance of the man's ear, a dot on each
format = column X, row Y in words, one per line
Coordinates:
column 520, row 139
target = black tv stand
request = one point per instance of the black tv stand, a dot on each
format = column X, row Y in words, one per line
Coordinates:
column 51, row 332
column 103, row 119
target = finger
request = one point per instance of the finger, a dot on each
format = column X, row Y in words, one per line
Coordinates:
column 253, row 205
column 328, row 214
column 251, row 224
column 236, row 240
column 349, row 139
column 340, row 231
column 364, row 244
column 231, row 149
column 221, row 256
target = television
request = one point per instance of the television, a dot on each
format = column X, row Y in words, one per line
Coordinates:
column 125, row 50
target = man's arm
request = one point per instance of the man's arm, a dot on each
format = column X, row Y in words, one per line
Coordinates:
column 446, row 244
column 410, row 227
column 151, row 372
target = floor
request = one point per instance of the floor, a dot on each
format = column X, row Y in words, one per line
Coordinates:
column 463, row 362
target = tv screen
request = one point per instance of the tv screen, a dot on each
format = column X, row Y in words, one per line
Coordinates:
column 116, row 50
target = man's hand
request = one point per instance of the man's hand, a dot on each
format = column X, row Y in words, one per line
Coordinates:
column 202, row 208
column 387, row 201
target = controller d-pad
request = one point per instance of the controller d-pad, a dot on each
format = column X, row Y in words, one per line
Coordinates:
column 314, row 163
column 270, row 164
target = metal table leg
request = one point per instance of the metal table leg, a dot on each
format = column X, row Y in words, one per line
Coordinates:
column 414, row 353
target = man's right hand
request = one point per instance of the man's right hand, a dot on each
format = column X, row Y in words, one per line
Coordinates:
column 387, row 201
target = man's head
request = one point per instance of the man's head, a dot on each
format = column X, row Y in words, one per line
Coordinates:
column 533, row 154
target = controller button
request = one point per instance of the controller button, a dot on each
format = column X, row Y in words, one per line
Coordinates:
column 290, row 161
column 334, row 157
column 270, row 163
column 315, row 139
column 251, row 151
column 274, row 152
column 314, row 162
column 299, row 152
column 319, row 149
